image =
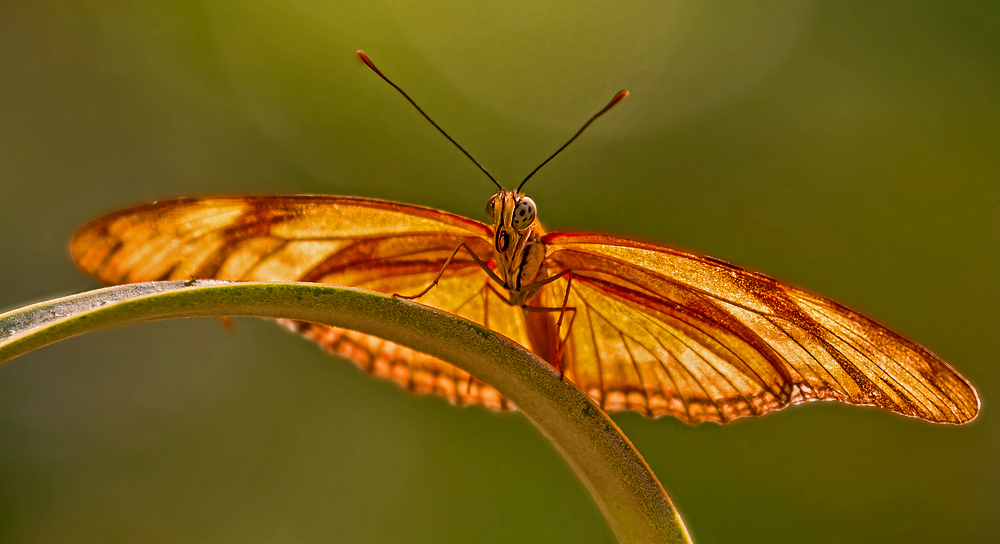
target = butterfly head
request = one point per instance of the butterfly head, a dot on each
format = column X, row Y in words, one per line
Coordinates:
column 513, row 217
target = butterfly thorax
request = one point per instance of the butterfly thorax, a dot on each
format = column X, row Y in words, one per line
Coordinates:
column 517, row 249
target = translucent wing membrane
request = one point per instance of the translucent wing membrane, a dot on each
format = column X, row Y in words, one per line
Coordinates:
column 371, row 244
column 666, row 332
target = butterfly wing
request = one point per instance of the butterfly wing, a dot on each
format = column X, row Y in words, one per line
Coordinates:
column 655, row 330
column 357, row 242
column 666, row 332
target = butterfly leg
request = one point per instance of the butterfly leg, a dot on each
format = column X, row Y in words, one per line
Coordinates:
column 446, row 263
column 562, row 343
column 563, row 309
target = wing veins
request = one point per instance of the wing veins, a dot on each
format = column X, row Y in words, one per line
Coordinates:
column 679, row 361
column 597, row 349
column 727, row 348
column 761, row 381
column 688, row 287
column 710, row 365
column 842, row 360
column 834, row 352
column 738, row 391
column 920, row 399
column 271, row 253
column 419, row 233
column 635, row 365
column 827, row 345
column 669, row 374
column 818, row 363
column 242, row 214
column 697, row 381
column 181, row 241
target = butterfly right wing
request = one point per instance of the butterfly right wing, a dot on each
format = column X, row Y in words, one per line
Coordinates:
column 667, row 332
column 356, row 242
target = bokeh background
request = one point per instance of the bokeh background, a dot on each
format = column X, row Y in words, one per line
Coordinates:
column 852, row 148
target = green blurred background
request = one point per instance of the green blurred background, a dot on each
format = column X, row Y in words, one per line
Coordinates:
column 852, row 148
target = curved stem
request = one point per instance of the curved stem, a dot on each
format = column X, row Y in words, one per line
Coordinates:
column 627, row 492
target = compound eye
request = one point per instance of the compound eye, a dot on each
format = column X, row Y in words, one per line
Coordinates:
column 489, row 207
column 524, row 214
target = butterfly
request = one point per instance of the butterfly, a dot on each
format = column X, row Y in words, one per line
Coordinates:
column 637, row 326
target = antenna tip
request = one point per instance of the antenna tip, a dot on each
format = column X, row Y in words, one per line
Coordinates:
column 364, row 58
column 618, row 97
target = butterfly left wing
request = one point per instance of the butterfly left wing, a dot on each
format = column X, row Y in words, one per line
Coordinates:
column 267, row 238
column 463, row 290
column 357, row 242
column 666, row 332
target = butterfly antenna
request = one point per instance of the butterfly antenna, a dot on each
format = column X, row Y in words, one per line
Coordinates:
column 371, row 65
column 618, row 98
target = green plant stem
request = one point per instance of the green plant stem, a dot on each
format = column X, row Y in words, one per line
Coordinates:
column 627, row 492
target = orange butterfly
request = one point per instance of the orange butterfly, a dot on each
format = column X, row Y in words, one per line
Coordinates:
column 635, row 325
